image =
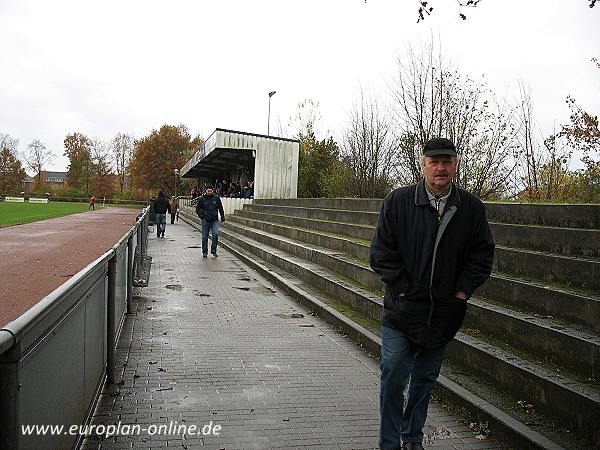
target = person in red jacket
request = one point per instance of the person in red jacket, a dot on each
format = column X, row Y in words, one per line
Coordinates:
column 92, row 203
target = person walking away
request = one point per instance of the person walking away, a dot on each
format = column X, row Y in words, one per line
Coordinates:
column 161, row 206
column 174, row 204
column 432, row 248
column 208, row 208
column 92, row 203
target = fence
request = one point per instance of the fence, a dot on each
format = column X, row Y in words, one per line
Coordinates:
column 55, row 357
column 230, row 204
column 98, row 200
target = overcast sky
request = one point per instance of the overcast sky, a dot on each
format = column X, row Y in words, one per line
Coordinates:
column 100, row 67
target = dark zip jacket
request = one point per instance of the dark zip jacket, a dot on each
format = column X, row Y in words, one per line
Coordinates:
column 208, row 207
column 161, row 205
column 423, row 260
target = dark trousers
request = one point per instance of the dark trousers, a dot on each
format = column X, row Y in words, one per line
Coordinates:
column 408, row 372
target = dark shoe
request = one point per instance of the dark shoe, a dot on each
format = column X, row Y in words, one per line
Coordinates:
column 412, row 446
column 204, row 255
column 214, row 254
column 162, row 234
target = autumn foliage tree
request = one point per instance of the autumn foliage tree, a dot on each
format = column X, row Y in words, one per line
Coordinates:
column 11, row 172
column 78, row 150
column 157, row 155
column 103, row 180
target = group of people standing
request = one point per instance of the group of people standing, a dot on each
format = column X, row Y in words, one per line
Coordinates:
column 242, row 189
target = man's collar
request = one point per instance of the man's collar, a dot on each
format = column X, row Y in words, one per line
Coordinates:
column 422, row 198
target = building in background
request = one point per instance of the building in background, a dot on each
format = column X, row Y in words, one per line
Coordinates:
column 51, row 179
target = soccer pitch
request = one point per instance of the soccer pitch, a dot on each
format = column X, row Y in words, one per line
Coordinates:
column 17, row 213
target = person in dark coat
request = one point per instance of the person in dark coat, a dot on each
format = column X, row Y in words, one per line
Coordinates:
column 161, row 206
column 208, row 208
column 432, row 248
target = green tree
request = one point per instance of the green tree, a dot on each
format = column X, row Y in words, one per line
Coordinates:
column 320, row 171
column 11, row 172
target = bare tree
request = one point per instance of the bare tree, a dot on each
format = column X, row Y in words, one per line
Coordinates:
column 102, row 181
column 122, row 149
column 369, row 149
column 430, row 98
column 9, row 143
column 37, row 157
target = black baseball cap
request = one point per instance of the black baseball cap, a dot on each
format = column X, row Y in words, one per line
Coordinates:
column 439, row 146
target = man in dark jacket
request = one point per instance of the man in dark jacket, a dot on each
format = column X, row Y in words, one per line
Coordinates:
column 161, row 206
column 208, row 208
column 432, row 247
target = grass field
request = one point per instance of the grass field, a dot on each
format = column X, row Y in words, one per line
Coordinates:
column 16, row 213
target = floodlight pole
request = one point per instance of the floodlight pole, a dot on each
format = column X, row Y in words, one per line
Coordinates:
column 271, row 94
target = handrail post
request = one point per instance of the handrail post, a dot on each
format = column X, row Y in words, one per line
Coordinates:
column 130, row 270
column 110, row 312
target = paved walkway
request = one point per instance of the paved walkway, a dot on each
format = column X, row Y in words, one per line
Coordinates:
column 213, row 342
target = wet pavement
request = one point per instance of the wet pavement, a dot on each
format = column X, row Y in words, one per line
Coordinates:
column 217, row 357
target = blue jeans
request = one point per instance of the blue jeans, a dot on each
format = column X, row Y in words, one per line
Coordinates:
column 161, row 224
column 408, row 372
column 213, row 227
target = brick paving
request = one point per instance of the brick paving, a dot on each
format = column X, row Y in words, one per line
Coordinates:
column 213, row 341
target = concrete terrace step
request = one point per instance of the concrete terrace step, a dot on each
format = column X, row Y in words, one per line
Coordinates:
column 330, row 259
column 351, row 247
column 565, row 241
column 549, row 267
column 353, row 204
column 570, row 347
column 543, row 299
column 334, row 215
column 564, row 399
column 553, row 215
column 363, row 232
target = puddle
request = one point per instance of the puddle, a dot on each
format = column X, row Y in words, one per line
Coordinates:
column 174, row 287
column 289, row 316
column 262, row 290
column 197, row 293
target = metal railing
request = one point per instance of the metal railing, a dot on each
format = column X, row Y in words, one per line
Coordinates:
column 55, row 357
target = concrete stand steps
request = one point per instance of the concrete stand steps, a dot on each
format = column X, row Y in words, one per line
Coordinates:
column 548, row 267
column 505, row 427
column 484, row 359
column 536, row 319
column 309, row 244
column 553, row 215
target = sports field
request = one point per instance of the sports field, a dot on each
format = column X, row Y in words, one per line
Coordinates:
column 16, row 213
